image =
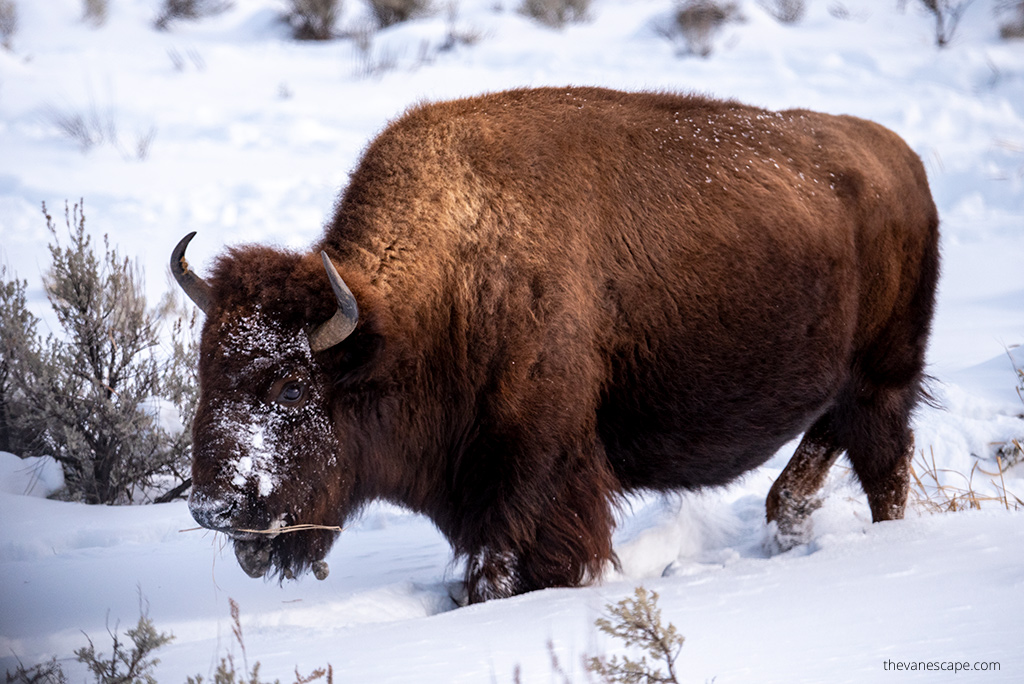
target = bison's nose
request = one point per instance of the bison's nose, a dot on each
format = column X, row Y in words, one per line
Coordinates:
column 211, row 512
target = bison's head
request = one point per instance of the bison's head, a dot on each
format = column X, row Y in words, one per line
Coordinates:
column 265, row 448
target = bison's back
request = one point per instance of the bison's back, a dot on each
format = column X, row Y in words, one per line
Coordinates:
column 697, row 279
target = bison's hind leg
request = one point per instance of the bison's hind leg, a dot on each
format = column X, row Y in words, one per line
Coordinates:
column 870, row 418
column 873, row 429
column 871, row 423
column 794, row 495
column 880, row 446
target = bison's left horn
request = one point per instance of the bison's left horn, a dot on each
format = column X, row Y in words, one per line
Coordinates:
column 344, row 320
column 194, row 286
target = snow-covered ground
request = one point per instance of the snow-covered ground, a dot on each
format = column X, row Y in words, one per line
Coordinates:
column 252, row 137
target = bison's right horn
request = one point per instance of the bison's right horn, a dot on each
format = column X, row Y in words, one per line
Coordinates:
column 194, row 286
column 344, row 320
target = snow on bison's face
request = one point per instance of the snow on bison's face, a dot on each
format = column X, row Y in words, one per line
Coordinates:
column 265, row 464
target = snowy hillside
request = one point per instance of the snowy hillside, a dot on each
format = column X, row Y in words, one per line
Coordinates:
column 230, row 128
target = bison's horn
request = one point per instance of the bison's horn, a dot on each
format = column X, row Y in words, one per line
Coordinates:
column 344, row 320
column 194, row 286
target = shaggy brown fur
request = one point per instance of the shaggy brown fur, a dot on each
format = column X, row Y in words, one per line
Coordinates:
column 565, row 295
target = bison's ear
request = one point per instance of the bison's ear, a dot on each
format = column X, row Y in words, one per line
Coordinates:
column 344, row 320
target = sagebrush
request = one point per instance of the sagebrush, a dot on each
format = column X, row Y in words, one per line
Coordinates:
column 389, row 12
column 1011, row 452
column 371, row 60
column 697, row 22
column 1011, row 25
column 189, row 10
column 947, row 14
column 313, row 19
column 136, row 664
column 17, row 333
column 95, row 11
column 785, row 11
column 637, row 623
column 90, row 395
column 8, row 23
column 556, row 13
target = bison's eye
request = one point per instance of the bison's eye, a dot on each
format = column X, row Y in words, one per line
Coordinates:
column 289, row 392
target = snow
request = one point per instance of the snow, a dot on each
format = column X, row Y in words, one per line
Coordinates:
column 254, row 136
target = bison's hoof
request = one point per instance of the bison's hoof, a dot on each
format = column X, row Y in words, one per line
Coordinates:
column 459, row 593
column 791, row 526
column 779, row 541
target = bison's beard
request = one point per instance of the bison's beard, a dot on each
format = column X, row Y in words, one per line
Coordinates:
column 253, row 556
column 288, row 556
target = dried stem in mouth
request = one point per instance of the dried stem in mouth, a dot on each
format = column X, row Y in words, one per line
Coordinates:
column 278, row 530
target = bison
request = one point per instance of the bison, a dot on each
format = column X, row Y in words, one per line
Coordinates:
column 531, row 303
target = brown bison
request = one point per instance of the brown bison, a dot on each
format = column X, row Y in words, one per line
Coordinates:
column 531, row 303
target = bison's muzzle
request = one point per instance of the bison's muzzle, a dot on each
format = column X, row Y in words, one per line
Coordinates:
column 252, row 549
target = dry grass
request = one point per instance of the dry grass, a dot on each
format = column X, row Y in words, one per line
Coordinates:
column 929, row 493
column 92, row 128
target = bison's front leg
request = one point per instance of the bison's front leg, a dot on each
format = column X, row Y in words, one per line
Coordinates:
column 551, row 530
column 491, row 575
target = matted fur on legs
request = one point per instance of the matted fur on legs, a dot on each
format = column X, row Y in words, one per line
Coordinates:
column 794, row 495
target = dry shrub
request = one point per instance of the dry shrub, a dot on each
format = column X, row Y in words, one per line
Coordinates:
column 637, row 623
column 313, row 19
column 8, row 22
column 88, row 391
column 1012, row 451
column 556, row 13
column 947, row 15
column 95, row 12
column 456, row 35
column 87, row 129
column 189, row 10
column 371, row 61
column 1012, row 25
column 228, row 673
column 136, row 663
column 390, row 12
column 18, row 434
column 698, row 21
column 785, row 11
column 94, row 127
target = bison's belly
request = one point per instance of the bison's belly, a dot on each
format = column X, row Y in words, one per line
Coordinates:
column 672, row 457
column 684, row 426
